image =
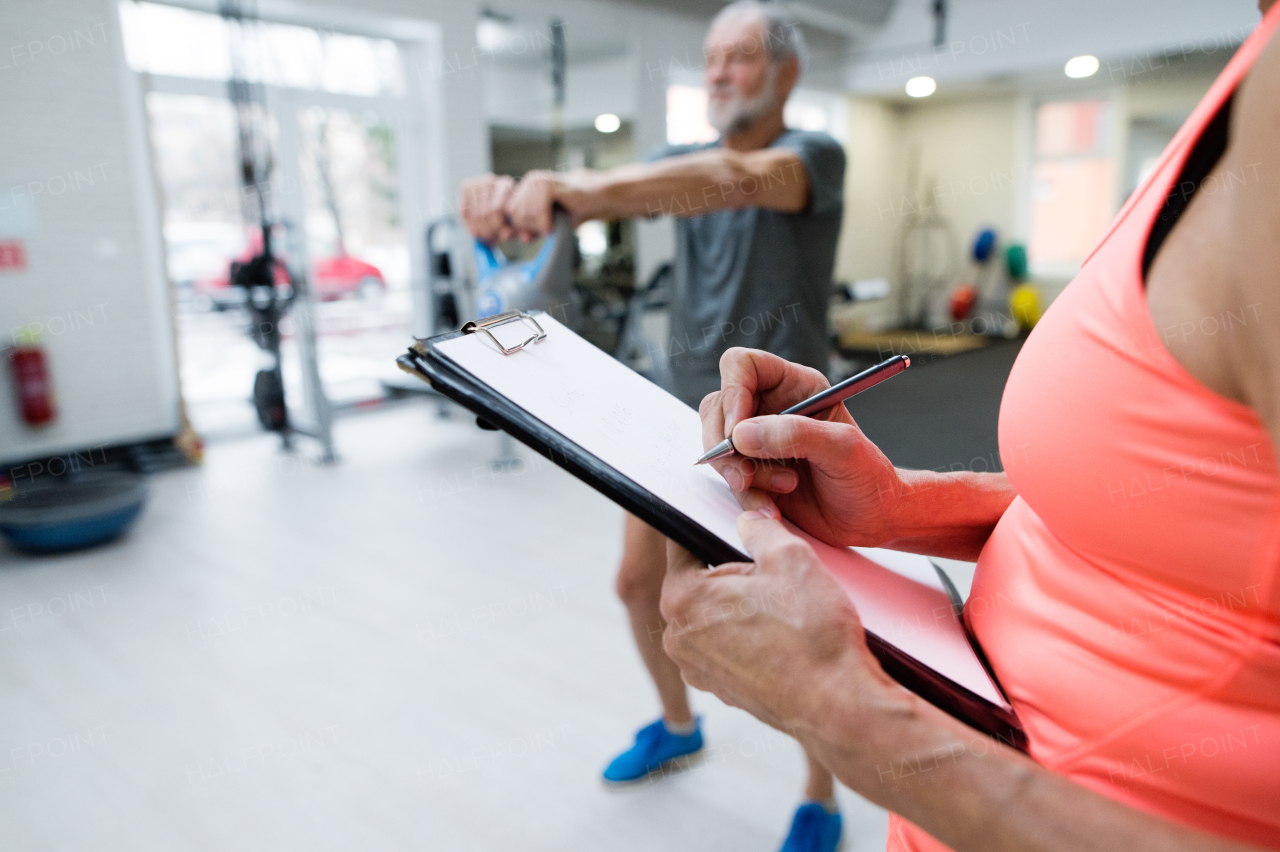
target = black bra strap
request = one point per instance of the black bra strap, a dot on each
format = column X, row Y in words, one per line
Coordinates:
column 1204, row 156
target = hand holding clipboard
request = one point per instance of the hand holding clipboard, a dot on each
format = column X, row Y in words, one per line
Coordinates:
column 632, row 441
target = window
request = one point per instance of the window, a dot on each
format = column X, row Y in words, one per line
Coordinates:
column 182, row 43
column 687, row 116
column 1073, row 185
column 805, row 110
column 331, row 109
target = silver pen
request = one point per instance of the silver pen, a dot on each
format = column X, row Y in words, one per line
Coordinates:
column 824, row 400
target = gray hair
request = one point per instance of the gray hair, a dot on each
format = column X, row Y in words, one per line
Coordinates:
column 782, row 36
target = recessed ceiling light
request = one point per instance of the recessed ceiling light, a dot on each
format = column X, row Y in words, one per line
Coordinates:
column 607, row 122
column 921, row 87
column 494, row 34
column 1082, row 66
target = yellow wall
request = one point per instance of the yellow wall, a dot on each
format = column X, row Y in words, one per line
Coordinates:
column 969, row 170
column 873, row 178
column 966, row 150
column 967, row 165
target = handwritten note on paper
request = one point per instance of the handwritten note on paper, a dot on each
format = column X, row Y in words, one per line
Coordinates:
column 652, row 438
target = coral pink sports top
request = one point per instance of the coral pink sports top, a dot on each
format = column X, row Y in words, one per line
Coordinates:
column 1128, row 598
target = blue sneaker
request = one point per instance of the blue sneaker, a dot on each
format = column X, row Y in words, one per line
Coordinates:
column 655, row 749
column 814, row 829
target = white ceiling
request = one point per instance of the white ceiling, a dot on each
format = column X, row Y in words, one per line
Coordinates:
column 874, row 46
column 592, row 29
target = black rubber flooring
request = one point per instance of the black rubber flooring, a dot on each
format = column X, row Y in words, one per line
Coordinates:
column 940, row 414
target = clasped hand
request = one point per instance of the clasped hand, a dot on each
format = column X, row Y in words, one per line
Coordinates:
column 497, row 207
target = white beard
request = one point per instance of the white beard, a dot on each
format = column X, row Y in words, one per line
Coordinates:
column 739, row 112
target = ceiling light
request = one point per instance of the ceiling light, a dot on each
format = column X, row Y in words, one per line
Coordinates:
column 607, row 122
column 1082, row 66
column 921, row 87
column 494, row 34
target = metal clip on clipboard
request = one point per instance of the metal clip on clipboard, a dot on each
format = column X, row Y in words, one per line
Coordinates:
column 503, row 319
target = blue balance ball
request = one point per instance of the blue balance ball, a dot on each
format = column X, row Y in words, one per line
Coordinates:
column 57, row 516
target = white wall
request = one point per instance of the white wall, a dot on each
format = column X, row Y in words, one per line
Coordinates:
column 969, row 169
column 517, row 95
column 73, row 156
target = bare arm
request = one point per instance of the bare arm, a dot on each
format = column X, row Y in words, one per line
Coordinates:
column 1248, row 243
column 792, row 653
column 948, row 514
column 1224, row 255
column 697, row 183
column 686, row 185
column 976, row 794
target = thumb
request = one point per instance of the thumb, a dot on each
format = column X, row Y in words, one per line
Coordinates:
column 792, row 436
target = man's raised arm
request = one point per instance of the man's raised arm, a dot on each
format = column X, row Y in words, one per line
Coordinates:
column 684, row 185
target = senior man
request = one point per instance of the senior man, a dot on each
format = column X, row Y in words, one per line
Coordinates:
column 758, row 215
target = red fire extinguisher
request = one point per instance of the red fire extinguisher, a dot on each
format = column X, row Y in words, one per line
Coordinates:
column 31, row 379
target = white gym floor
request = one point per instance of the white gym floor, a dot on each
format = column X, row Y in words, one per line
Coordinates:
column 407, row 651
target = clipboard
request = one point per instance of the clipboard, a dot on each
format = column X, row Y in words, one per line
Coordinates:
column 513, row 334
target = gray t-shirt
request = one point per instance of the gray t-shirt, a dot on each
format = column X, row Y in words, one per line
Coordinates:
column 754, row 277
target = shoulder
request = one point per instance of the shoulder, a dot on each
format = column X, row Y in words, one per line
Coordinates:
column 1250, row 167
column 1255, row 101
column 811, row 142
column 1241, row 245
column 666, row 149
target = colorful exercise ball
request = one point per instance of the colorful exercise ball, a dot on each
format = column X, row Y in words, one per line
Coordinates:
column 984, row 245
column 1015, row 258
column 1024, row 305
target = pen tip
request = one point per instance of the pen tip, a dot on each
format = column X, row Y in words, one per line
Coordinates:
column 906, row 360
